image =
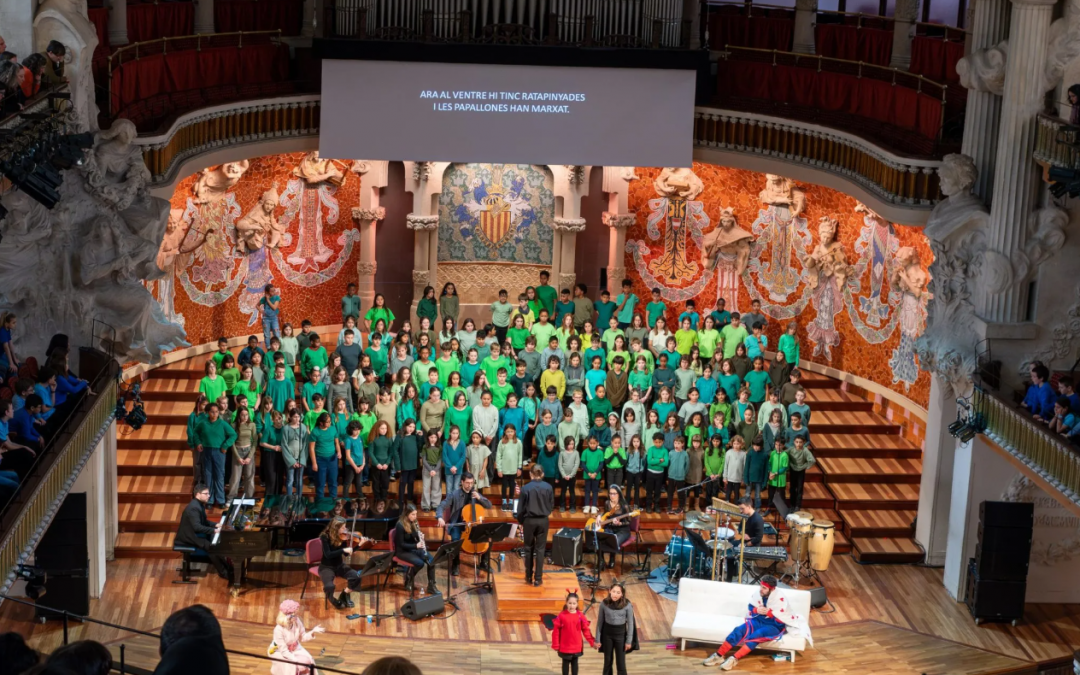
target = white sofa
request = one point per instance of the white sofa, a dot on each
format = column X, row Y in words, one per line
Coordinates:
column 709, row 610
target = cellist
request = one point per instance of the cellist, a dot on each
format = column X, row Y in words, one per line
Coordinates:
column 455, row 513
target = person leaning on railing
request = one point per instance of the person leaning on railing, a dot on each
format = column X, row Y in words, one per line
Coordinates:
column 1039, row 399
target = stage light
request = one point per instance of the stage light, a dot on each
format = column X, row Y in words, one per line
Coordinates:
column 1064, row 181
column 33, row 154
column 35, row 579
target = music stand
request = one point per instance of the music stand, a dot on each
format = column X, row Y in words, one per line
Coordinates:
column 447, row 552
column 782, row 512
column 376, row 565
column 600, row 543
column 697, row 543
column 487, row 533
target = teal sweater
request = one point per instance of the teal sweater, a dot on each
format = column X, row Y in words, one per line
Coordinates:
column 678, row 465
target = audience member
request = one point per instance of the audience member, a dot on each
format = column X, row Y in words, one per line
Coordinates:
column 15, row 655
column 84, row 657
column 392, row 665
column 191, row 642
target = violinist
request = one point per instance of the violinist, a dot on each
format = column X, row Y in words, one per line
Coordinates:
column 409, row 546
column 454, row 515
column 337, row 546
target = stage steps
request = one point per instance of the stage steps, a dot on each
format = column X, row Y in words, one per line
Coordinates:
column 154, row 463
column 886, row 550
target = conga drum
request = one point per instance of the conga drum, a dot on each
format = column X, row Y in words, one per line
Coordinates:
column 822, row 535
column 799, row 525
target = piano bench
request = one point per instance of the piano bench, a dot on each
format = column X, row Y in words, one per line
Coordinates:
column 191, row 554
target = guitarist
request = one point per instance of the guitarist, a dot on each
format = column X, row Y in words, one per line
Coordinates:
column 535, row 504
column 454, row 514
column 619, row 525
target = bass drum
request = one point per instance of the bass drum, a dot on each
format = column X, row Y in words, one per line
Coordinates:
column 822, row 540
column 683, row 560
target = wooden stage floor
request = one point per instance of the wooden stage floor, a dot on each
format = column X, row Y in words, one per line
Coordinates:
column 887, row 620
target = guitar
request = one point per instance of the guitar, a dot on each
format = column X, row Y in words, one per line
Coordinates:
column 597, row 524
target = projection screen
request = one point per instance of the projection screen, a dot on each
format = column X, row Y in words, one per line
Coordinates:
column 389, row 110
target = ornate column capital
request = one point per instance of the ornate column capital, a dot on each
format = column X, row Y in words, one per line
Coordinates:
column 575, row 174
column 369, row 215
column 619, row 220
column 807, row 5
column 365, row 268
column 421, row 171
column 568, row 224
column 1035, row 3
column 415, row 221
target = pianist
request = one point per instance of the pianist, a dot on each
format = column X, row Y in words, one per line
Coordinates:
column 195, row 530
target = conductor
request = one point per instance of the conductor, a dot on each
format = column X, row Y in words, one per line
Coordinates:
column 535, row 504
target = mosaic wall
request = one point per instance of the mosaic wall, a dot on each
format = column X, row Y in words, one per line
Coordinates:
column 281, row 218
column 854, row 283
column 496, row 213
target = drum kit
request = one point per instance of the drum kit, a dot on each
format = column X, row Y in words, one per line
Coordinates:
column 810, row 543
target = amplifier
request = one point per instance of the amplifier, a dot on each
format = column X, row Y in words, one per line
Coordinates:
column 818, row 596
column 566, row 548
column 1003, row 564
column 419, row 608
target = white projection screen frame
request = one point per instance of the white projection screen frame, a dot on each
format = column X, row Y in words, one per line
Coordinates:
column 460, row 112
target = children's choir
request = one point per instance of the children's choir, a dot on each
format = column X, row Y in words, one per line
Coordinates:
column 597, row 391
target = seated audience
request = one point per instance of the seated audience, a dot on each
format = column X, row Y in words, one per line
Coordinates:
column 191, row 643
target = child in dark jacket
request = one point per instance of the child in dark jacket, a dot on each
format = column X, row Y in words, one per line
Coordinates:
column 566, row 636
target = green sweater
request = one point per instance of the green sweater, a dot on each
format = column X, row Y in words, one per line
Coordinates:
column 778, row 464
column 592, row 461
column 656, row 459
column 311, row 358
column 508, row 457
column 615, row 459
column 218, row 434
column 714, row 464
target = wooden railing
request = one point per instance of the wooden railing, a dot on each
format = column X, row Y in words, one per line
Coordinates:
column 235, row 124
column 1054, row 460
column 25, row 518
column 896, row 180
column 944, row 31
column 1057, row 143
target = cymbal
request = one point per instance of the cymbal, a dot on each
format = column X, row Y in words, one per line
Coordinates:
column 689, row 524
column 699, row 515
column 723, row 543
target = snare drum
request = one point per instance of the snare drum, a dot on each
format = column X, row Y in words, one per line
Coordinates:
column 822, row 540
column 724, row 533
column 799, row 525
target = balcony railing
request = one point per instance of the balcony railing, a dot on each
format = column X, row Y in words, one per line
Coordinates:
column 580, row 23
column 57, row 466
column 1055, row 461
column 896, row 180
column 227, row 125
column 1057, row 142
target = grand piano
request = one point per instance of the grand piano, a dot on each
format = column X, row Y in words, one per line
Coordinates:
column 239, row 540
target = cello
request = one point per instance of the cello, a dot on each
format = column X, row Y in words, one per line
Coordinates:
column 476, row 516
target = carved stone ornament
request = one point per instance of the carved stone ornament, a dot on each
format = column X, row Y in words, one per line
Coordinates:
column 984, row 69
column 575, row 174
column 366, row 269
column 568, row 224
column 417, row 222
column 361, row 215
column 215, row 182
column 421, row 277
column 360, row 166
column 1045, row 236
column 1063, row 46
column 1064, row 338
column 806, row 5
column 627, row 174
column 781, row 191
column 727, row 238
column 906, row 10
column 115, row 167
column 956, row 229
column 678, row 182
column 314, row 170
column 260, row 227
column 421, row 171
column 619, row 220
column 567, row 280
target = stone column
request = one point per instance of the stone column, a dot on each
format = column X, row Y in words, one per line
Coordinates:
column 117, row 23
column 204, row 16
column 989, row 26
column 1016, row 176
column 903, row 23
column 422, row 227
column 567, row 228
column 805, row 18
column 935, row 488
column 616, row 269
column 373, row 178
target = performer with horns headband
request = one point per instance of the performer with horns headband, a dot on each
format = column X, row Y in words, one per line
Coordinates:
column 769, row 619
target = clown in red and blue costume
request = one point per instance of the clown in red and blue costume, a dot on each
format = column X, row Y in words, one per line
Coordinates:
column 768, row 619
